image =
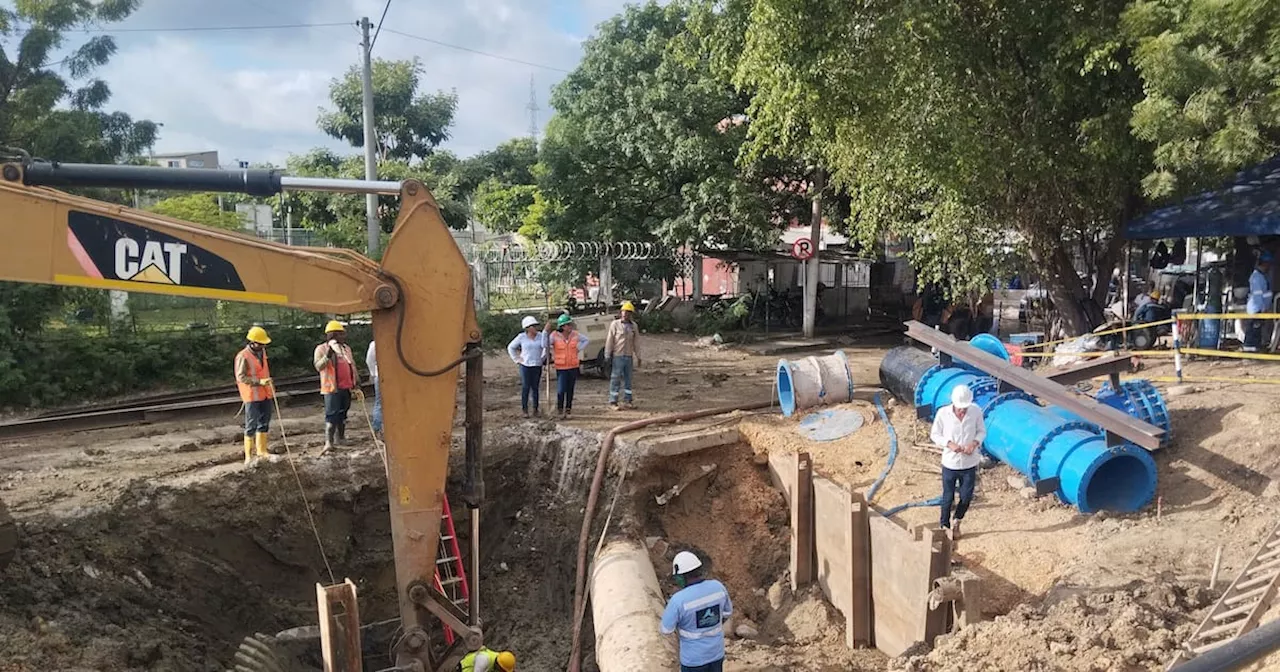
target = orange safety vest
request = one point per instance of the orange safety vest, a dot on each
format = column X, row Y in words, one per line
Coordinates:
column 564, row 350
column 257, row 371
column 329, row 374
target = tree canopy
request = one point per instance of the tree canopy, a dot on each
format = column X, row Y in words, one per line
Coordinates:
column 409, row 125
column 199, row 208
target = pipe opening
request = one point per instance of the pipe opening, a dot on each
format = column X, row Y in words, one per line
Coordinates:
column 786, row 388
column 1123, row 484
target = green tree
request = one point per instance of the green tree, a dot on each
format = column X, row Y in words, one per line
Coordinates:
column 970, row 126
column 643, row 146
column 408, row 125
column 200, row 209
column 1211, row 75
column 503, row 207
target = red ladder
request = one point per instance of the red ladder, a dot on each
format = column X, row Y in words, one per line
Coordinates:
column 451, row 574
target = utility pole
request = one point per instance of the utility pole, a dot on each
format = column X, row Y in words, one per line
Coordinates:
column 812, row 274
column 370, row 140
column 533, row 108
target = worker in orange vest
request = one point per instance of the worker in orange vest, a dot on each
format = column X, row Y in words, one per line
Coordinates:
column 567, row 344
column 253, row 377
column 339, row 380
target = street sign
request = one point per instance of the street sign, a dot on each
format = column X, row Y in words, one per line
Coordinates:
column 802, row 249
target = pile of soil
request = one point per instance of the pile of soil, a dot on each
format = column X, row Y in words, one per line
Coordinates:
column 853, row 460
column 1135, row 627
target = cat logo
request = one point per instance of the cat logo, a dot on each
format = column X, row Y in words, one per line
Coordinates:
column 151, row 261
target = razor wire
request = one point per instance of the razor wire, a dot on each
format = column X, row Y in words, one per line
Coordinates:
column 560, row 250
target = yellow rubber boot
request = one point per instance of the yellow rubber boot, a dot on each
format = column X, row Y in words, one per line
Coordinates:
column 248, row 450
column 262, row 444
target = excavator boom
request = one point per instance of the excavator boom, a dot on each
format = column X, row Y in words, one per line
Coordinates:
column 420, row 297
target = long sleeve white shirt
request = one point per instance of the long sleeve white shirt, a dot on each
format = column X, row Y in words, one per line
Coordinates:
column 371, row 360
column 947, row 428
column 527, row 351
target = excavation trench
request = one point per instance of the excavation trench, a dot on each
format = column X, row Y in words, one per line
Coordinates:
column 173, row 576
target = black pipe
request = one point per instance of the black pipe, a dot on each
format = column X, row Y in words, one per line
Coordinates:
column 53, row 174
column 1237, row 653
column 901, row 370
column 473, row 489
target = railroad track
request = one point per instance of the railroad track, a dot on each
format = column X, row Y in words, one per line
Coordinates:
column 152, row 408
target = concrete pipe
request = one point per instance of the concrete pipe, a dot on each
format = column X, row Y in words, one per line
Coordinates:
column 813, row 381
column 626, row 608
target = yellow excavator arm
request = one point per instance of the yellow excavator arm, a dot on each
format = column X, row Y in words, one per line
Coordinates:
column 423, row 320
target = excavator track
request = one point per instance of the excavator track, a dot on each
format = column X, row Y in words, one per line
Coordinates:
column 1242, row 604
column 8, row 537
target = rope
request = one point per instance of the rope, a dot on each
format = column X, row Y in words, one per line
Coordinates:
column 381, row 446
column 284, row 437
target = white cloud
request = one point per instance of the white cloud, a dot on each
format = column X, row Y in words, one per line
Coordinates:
column 254, row 95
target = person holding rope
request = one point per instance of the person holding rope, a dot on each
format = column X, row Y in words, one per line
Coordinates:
column 253, row 378
column 339, row 380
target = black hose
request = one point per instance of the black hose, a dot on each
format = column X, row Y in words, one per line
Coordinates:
column 901, row 370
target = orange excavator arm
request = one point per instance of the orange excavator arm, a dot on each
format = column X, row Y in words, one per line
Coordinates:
column 423, row 320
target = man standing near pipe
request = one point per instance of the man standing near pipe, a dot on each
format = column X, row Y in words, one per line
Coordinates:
column 958, row 430
column 697, row 612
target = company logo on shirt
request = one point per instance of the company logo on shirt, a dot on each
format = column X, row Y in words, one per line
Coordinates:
column 707, row 617
column 112, row 249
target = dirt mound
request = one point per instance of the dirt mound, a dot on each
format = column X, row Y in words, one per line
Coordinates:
column 1136, row 627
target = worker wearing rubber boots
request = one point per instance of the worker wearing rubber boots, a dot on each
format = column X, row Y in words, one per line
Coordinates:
column 697, row 614
column 339, row 380
column 486, row 660
column 959, row 431
column 567, row 345
column 622, row 351
column 253, row 378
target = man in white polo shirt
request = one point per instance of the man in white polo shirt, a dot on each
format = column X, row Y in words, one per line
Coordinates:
column 959, row 431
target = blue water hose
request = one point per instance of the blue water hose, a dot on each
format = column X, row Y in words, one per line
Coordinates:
column 934, row 501
column 893, row 450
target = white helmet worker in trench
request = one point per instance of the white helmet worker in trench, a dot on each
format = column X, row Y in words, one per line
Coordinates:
column 697, row 614
column 959, row 431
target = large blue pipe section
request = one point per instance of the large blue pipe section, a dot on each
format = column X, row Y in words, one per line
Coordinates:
column 1049, row 442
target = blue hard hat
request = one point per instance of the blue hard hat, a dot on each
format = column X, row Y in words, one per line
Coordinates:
column 1265, row 255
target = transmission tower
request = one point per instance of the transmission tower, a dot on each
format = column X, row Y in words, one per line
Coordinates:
column 533, row 108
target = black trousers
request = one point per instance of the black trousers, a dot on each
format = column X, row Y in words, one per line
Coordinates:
column 952, row 480
column 336, row 406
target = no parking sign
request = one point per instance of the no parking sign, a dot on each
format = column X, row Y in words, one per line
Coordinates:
column 802, row 249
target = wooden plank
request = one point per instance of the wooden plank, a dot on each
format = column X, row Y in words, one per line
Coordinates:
column 901, row 567
column 1110, row 419
column 937, row 621
column 857, row 626
column 802, row 551
column 688, row 442
column 782, row 474
column 831, row 543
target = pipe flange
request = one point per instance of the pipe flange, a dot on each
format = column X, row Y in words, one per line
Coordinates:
column 924, row 382
column 984, row 386
column 1034, row 463
column 1008, row 396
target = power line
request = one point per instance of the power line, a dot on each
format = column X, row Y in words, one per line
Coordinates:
column 380, row 20
column 477, row 51
column 201, row 29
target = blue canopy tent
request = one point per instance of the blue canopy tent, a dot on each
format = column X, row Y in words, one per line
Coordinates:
column 1248, row 205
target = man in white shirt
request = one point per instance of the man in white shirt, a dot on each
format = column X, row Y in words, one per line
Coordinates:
column 371, row 361
column 959, row 431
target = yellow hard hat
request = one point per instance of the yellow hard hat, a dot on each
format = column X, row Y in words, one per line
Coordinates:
column 628, row 306
column 1155, row 294
column 258, row 335
column 507, row 661
column 334, row 325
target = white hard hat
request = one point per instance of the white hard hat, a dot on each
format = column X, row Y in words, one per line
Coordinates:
column 961, row 396
column 528, row 321
column 685, row 562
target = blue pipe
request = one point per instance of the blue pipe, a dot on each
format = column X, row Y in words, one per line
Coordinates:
column 933, row 501
column 1050, row 442
column 893, row 450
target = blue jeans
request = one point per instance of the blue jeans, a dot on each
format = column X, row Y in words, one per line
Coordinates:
column 530, row 376
column 620, row 376
column 717, row 666
column 377, row 406
column 965, row 479
column 257, row 417
column 336, row 406
column 566, row 380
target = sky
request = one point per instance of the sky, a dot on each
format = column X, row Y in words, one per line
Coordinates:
column 254, row 95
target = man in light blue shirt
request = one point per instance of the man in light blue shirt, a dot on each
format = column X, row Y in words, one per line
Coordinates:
column 697, row 613
column 1260, row 297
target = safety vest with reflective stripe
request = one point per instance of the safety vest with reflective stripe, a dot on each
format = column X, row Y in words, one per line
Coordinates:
column 257, row 371
column 469, row 660
column 329, row 372
column 564, row 350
